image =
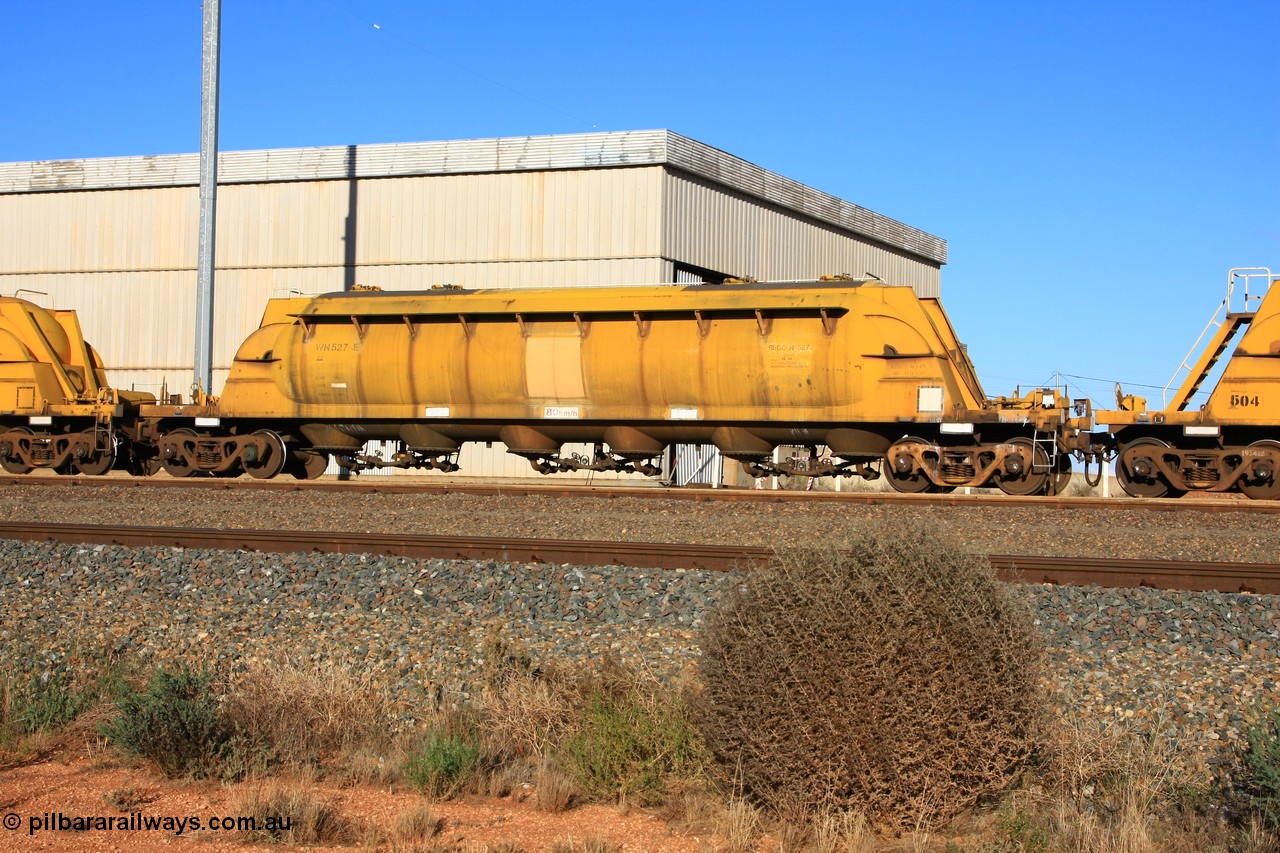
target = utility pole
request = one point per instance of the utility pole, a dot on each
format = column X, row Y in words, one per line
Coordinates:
column 203, row 383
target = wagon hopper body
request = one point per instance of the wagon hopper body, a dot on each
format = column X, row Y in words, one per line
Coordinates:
column 872, row 372
column 1232, row 441
column 56, row 409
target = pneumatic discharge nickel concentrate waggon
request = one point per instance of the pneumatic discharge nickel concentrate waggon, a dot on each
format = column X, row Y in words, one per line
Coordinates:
column 873, row 373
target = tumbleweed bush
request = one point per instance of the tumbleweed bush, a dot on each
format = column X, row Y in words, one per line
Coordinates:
column 899, row 678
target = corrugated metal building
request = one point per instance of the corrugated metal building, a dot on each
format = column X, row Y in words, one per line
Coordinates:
column 116, row 238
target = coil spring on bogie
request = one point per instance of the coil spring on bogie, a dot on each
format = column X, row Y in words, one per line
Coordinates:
column 957, row 471
column 1201, row 475
column 41, row 453
column 209, row 457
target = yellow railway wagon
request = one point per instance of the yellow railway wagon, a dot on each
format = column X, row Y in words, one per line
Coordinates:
column 871, row 372
column 56, row 410
column 1232, row 441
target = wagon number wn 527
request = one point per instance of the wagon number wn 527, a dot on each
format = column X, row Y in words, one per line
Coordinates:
column 1239, row 401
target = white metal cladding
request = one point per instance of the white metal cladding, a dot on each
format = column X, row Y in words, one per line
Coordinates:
column 124, row 230
column 512, row 154
column 504, row 217
column 711, row 227
column 698, row 463
column 409, row 221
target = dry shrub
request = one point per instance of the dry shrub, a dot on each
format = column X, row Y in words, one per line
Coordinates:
column 617, row 733
column 1084, row 758
column 526, row 715
column 553, row 789
column 898, row 678
column 417, row 824
column 631, row 738
column 301, row 714
column 497, row 780
column 289, row 813
column 1256, row 838
column 1114, row 788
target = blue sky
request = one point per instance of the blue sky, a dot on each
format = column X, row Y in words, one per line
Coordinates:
column 1095, row 167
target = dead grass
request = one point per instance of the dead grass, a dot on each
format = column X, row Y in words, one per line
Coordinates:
column 842, row 832
column 305, row 714
column 417, row 824
column 285, row 811
column 526, row 715
column 592, row 844
column 739, row 824
column 1098, row 787
column 1106, row 788
column 554, row 790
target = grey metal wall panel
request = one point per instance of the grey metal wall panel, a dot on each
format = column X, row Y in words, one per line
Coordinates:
column 711, row 227
column 742, row 176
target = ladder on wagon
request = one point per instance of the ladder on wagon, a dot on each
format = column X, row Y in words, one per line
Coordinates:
column 1047, row 441
column 1227, row 327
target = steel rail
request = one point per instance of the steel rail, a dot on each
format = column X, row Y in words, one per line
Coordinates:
column 368, row 486
column 1262, row 578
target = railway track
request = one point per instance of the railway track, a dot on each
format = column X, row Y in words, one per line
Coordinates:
column 385, row 485
column 1260, row 578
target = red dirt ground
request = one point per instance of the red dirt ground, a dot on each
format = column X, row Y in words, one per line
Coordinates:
column 82, row 786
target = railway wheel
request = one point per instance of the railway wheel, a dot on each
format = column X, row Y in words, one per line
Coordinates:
column 271, row 461
column 178, row 466
column 103, row 459
column 1030, row 479
column 1061, row 474
column 14, row 464
column 1266, row 488
column 909, row 482
column 1137, row 475
column 307, row 464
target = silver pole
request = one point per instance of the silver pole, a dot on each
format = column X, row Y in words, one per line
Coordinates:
column 208, row 196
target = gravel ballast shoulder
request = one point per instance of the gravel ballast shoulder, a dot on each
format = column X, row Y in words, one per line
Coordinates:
column 1190, row 667
column 1117, row 531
